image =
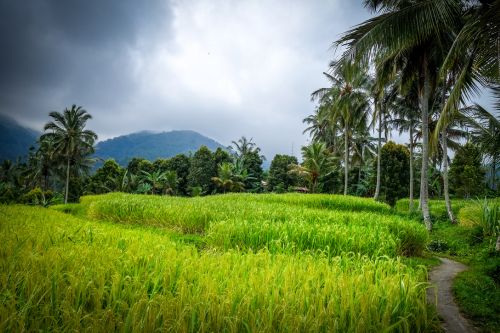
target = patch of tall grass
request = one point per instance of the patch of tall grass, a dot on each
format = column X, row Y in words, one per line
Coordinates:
column 276, row 222
column 59, row 273
column 369, row 235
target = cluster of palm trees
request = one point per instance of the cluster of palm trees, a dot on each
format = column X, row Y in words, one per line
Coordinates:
column 64, row 150
column 243, row 170
column 414, row 66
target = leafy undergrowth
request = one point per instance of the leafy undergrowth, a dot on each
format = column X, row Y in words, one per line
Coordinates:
column 63, row 273
column 477, row 290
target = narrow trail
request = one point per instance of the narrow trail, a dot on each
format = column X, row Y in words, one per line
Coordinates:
column 441, row 277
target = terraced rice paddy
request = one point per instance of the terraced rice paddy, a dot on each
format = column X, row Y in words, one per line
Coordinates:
column 267, row 263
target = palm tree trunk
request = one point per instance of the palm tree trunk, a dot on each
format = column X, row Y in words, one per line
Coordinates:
column 494, row 172
column 411, row 168
column 379, row 152
column 67, row 182
column 424, row 186
column 346, row 159
column 445, row 177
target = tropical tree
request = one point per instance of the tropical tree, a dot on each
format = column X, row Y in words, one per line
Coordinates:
column 317, row 163
column 201, row 170
column 466, row 173
column 484, row 133
column 155, row 179
column 406, row 113
column 224, row 179
column 395, row 172
column 381, row 100
column 413, row 38
column 346, row 101
column 70, row 138
column 474, row 56
column 280, row 179
column 170, row 182
column 249, row 154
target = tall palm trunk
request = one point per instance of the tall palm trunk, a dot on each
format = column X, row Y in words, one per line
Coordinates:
column 445, row 177
column 411, row 167
column 494, row 172
column 346, row 159
column 379, row 151
column 67, row 183
column 424, row 186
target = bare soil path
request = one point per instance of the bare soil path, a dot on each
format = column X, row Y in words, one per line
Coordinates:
column 441, row 277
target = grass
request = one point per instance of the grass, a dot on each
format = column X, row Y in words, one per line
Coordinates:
column 279, row 223
column 437, row 208
column 477, row 290
column 63, row 273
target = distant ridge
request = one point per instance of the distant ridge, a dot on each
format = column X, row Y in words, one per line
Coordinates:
column 153, row 145
column 15, row 140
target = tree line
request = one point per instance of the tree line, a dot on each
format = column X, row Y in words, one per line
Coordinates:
column 60, row 169
column 413, row 67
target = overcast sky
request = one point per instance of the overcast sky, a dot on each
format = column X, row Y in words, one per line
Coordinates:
column 220, row 67
column 224, row 68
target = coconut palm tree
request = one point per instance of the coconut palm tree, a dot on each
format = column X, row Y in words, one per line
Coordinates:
column 70, row 138
column 484, row 132
column 317, row 163
column 224, row 180
column 346, row 101
column 406, row 111
column 243, row 147
column 321, row 128
column 474, row 56
column 412, row 37
column 155, row 179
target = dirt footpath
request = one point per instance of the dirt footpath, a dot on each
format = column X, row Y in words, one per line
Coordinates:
column 441, row 277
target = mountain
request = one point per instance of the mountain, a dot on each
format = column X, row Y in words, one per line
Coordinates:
column 151, row 146
column 15, row 140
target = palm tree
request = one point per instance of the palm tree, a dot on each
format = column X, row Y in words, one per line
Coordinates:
column 382, row 94
column 406, row 111
column 412, row 37
column 474, row 56
column 155, row 179
column 224, row 180
column 70, row 138
column 243, row 147
column 231, row 177
column 320, row 127
column 317, row 163
column 484, row 131
column 171, row 182
column 346, row 100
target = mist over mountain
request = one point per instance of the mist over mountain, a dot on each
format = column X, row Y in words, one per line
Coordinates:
column 15, row 140
column 153, row 145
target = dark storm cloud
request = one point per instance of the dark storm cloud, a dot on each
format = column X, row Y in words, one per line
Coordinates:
column 223, row 68
column 73, row 48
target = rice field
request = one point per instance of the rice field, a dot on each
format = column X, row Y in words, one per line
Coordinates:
column 270, row 263
column 280, row 223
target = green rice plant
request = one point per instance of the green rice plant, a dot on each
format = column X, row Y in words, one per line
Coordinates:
column 325, row 201
column 266, row 215
column 299, row 236
column 60, row 273
column 370, row 235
